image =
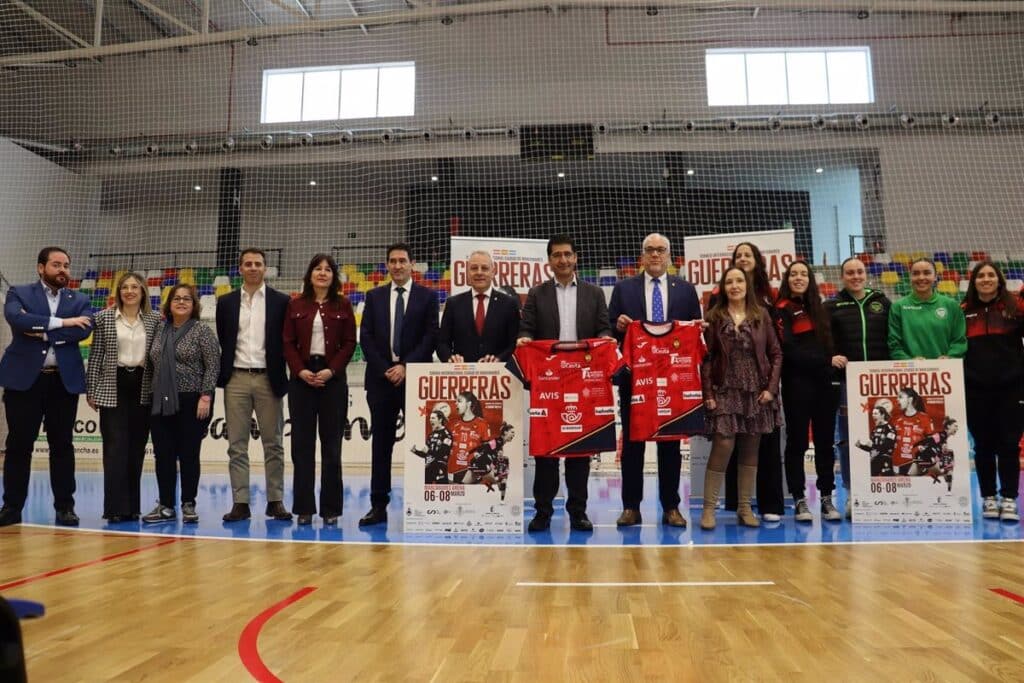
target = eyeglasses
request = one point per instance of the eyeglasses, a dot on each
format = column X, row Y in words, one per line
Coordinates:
column 656, row 250
column 181, row 300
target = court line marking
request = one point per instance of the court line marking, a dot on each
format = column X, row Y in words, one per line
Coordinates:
column 1007, row 594
column 598, row 546
column 632, row 584
column 81, row 565
column 248, row 651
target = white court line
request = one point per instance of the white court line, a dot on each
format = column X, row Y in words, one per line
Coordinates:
column 628, row 584
column 631, row 526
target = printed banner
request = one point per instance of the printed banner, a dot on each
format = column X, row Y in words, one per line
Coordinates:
column 707, row 256
column 463, row 449
column 908, row 442
column 519, row 264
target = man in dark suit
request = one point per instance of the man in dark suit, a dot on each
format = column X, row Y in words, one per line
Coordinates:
column 42, row 374
column 480, row 324
column 399, row 326
column 252, row 373
column 655, row 296
column 566, row 309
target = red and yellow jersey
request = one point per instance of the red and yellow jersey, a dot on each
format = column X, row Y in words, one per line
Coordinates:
column 572, row 409
column 467, row 435
column 909, row 432
column 661, row 361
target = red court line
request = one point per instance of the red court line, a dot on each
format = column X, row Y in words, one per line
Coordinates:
column 1007, row 594
column 247, row 649
column 73, row 567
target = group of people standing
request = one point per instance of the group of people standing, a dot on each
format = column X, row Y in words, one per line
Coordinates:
column 152, row 375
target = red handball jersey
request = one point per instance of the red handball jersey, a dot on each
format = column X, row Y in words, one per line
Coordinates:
column 661, row 362
column 467, row 435
column 909, row 431
column 572, row 410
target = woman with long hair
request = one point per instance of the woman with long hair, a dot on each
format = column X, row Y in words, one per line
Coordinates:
column 994, row 379
column 809, row 397
column 860, row 328
column 883, row 441
column 911, row 426
column 438, row 448
column 319, row 340
column 924, row 323
column 185, row 359
column 741, row 382
column 119, row 385
column 469, row 430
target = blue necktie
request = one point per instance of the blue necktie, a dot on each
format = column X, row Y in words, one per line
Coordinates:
column 396, row 329
column 657, row 306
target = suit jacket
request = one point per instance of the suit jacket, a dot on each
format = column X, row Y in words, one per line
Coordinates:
column 419, row 334
column 540, row 314
column 27, row 310
column 630, row 297
column 339, row 334
column 458, row 333
column 101, row 373
column 228, row 308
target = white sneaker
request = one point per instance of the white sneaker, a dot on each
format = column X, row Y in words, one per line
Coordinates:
column 803, row 513
column 990, row 508
column 188, row 513
column 771, row 517
column 160, row 514
column 1008, row 510
column 828, row 510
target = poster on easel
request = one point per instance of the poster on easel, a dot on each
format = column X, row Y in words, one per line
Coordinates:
column 463, row 449
column 908, row 442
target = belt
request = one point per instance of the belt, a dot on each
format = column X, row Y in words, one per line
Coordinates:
column 252, row 371
column 50, row 370
column 129, row 368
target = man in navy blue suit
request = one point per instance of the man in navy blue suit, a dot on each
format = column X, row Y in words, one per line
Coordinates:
column 42, row 374
column 480, row 324
column 399, row 326
column 656, row 296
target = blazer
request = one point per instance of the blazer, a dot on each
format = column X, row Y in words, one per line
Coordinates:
column 101, row 372
column 196, row 357
column 458, row 333
column 540, row 314
column 767, row 353
column 27, row 310
column 228, row 308
column 629, row 297
column 339, row 334
column 419, row 334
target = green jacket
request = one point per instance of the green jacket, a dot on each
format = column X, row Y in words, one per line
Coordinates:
column 927, row 329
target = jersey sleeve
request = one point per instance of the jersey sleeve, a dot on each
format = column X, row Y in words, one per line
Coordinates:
column 520, row 365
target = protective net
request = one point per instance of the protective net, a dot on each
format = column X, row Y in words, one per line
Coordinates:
column 888, row 128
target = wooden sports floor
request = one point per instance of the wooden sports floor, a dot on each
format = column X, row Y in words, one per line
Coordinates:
column 163, row 607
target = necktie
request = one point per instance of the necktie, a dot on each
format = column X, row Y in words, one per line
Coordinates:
column 657, row 305
column 480, row 314
column 396, row 329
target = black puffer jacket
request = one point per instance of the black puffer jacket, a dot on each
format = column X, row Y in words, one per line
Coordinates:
column 860, row 329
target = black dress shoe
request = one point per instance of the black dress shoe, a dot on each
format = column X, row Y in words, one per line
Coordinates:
column 9, row 516
column 580, row 522
column 239, row 511
column 540, row 522
column 277, row 510
column 67, row 518
column 115, row 519
column 305, row 520
column 376, row 515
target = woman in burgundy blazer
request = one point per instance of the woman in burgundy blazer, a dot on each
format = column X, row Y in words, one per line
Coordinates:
column 319, row 340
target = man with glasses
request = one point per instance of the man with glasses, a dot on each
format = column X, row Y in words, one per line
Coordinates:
column 654, row 296
column 42, row 374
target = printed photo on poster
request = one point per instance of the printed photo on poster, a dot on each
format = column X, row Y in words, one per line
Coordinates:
column 909, row 450
column 463, row 468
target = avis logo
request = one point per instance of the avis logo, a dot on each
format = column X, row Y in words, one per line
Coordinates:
column 550, row 395
column 572, row 415
column 646, row 381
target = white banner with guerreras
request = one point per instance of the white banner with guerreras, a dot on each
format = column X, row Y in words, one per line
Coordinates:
column 518, row 263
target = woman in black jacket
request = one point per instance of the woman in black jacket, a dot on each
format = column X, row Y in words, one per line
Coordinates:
column 860, row 330
column 994, row 378
column 808, row 395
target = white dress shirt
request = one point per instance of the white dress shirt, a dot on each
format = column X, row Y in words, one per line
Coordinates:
column 251, row 344
column 565, row 295
column 317, row 345
column 131, row 341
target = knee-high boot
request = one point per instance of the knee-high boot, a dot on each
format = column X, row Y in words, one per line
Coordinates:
column 746, row 480
column 712, row 485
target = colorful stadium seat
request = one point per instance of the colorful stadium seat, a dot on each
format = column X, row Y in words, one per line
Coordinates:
column 890, row 278
column 948, row 287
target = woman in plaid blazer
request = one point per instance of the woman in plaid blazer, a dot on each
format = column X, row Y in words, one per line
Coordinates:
column 118, row 386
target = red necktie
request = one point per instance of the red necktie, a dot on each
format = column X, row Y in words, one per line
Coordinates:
column 480, row 314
